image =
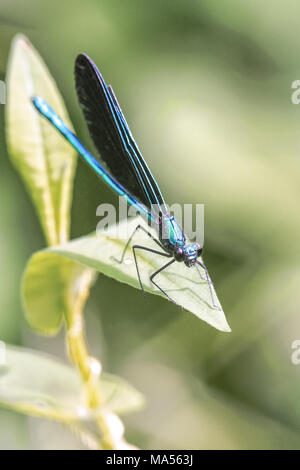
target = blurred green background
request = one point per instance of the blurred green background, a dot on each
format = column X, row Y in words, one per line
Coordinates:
column 206, row 89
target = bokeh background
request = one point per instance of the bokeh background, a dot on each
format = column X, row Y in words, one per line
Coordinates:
column 206, row 88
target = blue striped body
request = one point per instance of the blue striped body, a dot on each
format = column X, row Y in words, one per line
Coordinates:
column 56, row 121
column 171, row 234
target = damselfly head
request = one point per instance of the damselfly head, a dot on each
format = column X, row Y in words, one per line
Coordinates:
column 188, row 253
column 178, row 253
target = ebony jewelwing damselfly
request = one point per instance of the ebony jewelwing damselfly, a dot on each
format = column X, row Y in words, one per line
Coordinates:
column 129, row 174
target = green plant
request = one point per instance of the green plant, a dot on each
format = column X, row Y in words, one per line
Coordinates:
column 57, row 280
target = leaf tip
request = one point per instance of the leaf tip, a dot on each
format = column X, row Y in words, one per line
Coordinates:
column 22, row 40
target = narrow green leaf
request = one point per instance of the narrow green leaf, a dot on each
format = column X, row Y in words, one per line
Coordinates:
column 44, row 160
column 36, row 383
column 44, row 291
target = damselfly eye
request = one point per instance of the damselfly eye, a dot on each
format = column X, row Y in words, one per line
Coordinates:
column 178, row 254
column 199, row 252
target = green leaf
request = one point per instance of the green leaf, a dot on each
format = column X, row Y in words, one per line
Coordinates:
column 45, row 290
column 35, row 383
column 51, row 286
column 44, row 160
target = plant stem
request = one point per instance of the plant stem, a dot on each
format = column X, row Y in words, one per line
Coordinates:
column 88, row 367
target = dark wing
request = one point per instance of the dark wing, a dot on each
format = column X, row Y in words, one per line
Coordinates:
column 111, row 134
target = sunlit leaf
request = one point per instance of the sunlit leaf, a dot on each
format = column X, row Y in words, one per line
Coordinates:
column 44, row 290
column 35, row 383
column 51, row 286
column 44, row 160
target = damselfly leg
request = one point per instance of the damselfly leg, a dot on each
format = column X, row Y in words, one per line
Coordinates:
column 208, row 280
column 166, row 255
column 138, row 227
column 156, row 285
column 140, row 247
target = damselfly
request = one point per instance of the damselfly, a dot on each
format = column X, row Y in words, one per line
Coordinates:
column 128, row 174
